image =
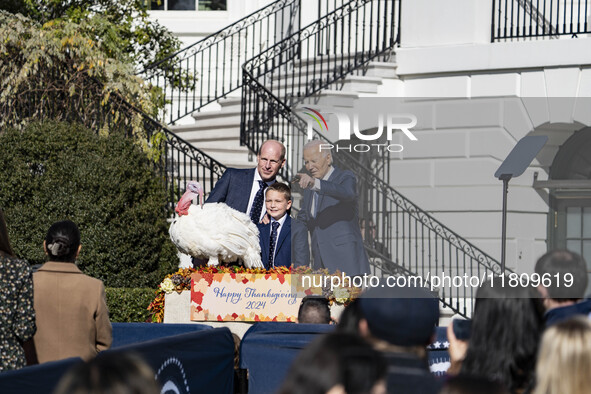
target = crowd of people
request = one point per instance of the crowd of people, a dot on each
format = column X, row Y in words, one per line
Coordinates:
column 520, row 339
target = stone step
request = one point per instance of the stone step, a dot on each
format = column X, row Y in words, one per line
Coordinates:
column 360, row 84
column 332, row 98
column 230, row 102
column 351, row 83
column 216, row 130
column 203, row 132
column 228, row 144
column 231, row 157
column 218, row 135
column 326, row 61
column 382, row 70
column 223, row 117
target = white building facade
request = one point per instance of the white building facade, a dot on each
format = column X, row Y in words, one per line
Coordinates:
column 479, row 76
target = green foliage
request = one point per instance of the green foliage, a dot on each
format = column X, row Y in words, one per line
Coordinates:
column 129, row 305
column 56, row 72
column 122, row 27
column 54, row 171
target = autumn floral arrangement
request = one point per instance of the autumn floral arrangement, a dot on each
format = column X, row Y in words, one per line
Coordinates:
column 181, row 280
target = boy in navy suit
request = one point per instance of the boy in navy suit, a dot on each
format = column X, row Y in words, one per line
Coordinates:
column 275, row 236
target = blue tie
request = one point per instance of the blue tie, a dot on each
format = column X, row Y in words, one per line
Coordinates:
column 272, row 243
column 314, row 205
column 257, row 204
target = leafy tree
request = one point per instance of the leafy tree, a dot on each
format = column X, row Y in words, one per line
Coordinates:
column 122, row 27
column 77, row 60
column 53, row 71
column 54, row 171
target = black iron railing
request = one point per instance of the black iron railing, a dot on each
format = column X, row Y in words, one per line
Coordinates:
column 419, row 245
column 412, row 242
column 175, row 160
column 527, row 19
column 314, row 58
column 211, row 68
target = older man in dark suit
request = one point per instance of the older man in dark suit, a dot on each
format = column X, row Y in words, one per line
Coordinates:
column 329, row 210
column 244, row 189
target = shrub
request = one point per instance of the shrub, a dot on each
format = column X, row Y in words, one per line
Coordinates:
column 54, row 171
column 55, row 71
column 129, row 305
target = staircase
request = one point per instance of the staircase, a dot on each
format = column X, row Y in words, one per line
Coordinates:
column 217, row 132
column 344, row 55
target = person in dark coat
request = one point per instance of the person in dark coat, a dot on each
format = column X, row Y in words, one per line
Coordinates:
column 243, row 189
column 275, row 236
column 563, row 281
column 329, row 210
column 17, row 316
column 400, row 322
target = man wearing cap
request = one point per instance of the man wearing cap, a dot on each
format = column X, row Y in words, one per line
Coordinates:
column 400, row 322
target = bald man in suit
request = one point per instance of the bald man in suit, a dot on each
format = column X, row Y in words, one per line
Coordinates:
column 238, row 188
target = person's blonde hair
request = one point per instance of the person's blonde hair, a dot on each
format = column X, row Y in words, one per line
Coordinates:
column 564, row 362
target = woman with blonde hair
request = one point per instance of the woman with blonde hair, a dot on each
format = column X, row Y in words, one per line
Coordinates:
column 564, row 362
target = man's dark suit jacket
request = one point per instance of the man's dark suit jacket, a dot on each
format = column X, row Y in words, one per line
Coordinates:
column 282, row 247
column 300, row 248
column 233, row 188
column 336, row 240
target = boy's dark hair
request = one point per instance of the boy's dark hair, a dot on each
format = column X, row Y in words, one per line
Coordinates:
column 314, row 310
column 282, row 188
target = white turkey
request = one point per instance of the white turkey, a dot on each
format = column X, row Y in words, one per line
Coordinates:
column 214, row 231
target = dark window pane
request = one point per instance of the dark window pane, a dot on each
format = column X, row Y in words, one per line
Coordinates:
column 181, row 5
column 587, row 253
column 573, row 222
column 587, row 222
column 157, row 5
column 212, row 5
column 574, row 245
